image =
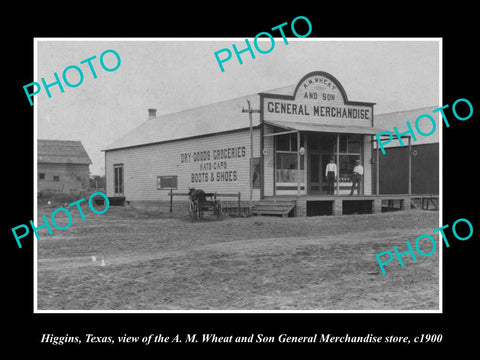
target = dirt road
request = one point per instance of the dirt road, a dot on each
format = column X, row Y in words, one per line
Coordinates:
column 153, row 262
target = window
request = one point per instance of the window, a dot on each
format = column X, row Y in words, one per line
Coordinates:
column 286, row 158
column 353, row 144
column 41, row 176
column 56, row 178
column 286, row 167
column 349, row 152
column 350, row 144
column 283, row 142
column 118, row 179
column 293, row 142
column 343, row 143
column 347, row 163
column 287, row 142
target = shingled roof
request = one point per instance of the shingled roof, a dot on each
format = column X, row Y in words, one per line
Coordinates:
column 61, row 152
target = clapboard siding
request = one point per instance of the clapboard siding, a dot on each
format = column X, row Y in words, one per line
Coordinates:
column 71, row 177
column 269, row 158
column 182, row 158
column 367, row 165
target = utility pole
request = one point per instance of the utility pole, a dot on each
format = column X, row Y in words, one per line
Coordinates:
column 250, row 111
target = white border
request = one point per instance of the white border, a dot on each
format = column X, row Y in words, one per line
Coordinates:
column 440, row 103
column 35, row 179
column 440, row 169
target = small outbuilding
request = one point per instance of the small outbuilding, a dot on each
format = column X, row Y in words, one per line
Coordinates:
column 62, row 166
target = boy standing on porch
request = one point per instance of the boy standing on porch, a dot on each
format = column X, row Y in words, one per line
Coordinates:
column 357, row 176
column 331, row 174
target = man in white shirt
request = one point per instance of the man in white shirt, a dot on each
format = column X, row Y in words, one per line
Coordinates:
column 356, row 177
column 331, row 174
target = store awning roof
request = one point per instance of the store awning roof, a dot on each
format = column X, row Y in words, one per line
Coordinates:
column 345, row 129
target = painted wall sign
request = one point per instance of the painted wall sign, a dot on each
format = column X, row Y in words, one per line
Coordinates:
column 318, row 87
column 167, row 182
column 214, row 165
column 278, row 107
column 319, row 98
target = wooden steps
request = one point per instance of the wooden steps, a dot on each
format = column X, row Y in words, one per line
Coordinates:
column 273, row 207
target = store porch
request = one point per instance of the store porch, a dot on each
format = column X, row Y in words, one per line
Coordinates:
column 315, row 205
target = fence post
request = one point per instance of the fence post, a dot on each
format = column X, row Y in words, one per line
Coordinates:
column 171, row 200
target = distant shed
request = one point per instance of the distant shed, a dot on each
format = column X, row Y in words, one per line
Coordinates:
column 424, row 154
column 62, row 166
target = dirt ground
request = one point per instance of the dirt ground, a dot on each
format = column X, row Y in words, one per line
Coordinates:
column 157, row 262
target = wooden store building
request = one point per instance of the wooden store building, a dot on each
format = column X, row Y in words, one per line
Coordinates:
column 272, row 147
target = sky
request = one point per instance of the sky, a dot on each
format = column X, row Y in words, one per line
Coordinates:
column 172, row 75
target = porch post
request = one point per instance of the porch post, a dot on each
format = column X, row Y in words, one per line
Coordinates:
column 409, row 167
column 377, row 173
column 338, row 163
column 250, row 111
column 362, row 161
column 306, row 178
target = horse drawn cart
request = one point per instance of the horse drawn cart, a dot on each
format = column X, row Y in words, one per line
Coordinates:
column 200, row 202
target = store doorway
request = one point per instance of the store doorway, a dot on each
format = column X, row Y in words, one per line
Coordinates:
column 321, row 147
column 318, row 180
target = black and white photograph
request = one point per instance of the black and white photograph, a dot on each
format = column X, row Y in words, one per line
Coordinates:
column 205, row 181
